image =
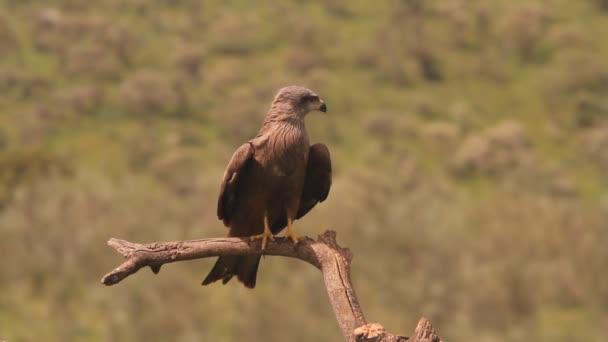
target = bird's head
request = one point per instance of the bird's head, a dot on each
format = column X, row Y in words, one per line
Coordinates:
column 298, row 100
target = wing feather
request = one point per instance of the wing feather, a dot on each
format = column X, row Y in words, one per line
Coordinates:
column 316, row 185
column 228, row 198
column 318, row 179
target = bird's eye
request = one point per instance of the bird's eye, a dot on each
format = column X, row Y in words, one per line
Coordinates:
column 311, row 98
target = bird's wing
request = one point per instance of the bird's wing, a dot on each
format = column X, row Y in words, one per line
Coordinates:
column 318, row 179
column 228, row 197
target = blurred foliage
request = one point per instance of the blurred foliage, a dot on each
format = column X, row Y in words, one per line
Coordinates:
column 469, row 138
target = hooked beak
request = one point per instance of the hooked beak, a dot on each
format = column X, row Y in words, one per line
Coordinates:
column 323, row 107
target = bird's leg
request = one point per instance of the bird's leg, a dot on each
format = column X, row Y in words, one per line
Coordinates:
column 267, row 234
column 289, row 231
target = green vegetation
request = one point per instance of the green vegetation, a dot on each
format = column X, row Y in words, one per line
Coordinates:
column 469, row 139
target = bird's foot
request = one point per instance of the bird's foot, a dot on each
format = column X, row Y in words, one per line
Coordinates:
column 290, row 234
column 295, row 238
column 264, row 236
column 267, row 234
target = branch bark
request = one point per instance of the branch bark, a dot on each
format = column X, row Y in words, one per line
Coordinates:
column 324, row 253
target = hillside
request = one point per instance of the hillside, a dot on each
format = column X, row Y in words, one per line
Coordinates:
column 469, row 142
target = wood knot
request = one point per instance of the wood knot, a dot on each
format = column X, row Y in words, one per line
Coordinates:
column 370, row 332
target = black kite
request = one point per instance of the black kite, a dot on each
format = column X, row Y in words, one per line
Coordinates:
column 272, row 180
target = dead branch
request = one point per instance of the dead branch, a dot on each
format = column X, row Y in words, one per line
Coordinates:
column 324, row 253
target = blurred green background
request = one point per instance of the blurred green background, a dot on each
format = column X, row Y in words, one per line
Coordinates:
column 469, row 142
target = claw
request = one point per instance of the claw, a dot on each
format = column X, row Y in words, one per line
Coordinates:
column 289, row 232
column 267, row 234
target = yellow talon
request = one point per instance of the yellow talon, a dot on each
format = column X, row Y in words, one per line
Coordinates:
column 289, row 232
column 267, row 234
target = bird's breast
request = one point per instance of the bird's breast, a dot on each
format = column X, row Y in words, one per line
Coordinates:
column 285, row 151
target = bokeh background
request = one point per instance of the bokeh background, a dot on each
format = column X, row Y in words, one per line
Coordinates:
column 469, row 140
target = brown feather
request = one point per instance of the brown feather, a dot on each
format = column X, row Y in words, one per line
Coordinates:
column 229, row 189
column 316, row 185
column 266, row 176
column 318, row 179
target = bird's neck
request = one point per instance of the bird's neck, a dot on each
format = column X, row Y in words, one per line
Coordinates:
column 283, row 112
column 278, row 125
column 285, row 141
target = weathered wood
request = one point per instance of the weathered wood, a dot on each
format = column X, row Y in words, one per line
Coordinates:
column 424, row 332
column 324, row 253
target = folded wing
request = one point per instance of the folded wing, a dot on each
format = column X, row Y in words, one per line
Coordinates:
column 228, row 198
column 318, row 179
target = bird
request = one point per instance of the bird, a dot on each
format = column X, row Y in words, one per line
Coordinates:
column 271, row 180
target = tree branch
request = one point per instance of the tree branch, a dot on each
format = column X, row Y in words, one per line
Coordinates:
column 324, row 253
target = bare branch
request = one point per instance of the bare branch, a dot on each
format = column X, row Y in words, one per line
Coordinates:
column 424, row 332
column 324, row 253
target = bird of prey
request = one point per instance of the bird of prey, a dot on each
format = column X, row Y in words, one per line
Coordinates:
column 272, row 180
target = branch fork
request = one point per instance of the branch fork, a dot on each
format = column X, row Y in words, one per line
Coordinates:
column 323, row 253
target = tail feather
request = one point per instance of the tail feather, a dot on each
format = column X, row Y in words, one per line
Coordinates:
column 245, row 268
